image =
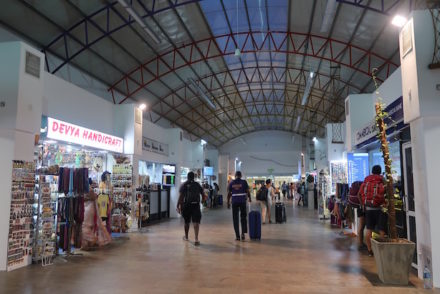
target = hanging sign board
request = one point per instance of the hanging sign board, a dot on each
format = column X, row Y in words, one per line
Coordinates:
column 67, row 132
column 154, row 146
column 395, row 116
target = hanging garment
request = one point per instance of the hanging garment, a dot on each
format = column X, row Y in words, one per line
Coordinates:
column 71, row 171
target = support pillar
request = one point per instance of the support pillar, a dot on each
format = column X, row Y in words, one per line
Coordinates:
column 21, row 94
column 421, row 101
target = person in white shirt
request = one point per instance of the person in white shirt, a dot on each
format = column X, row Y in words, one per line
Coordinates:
column 270, row 197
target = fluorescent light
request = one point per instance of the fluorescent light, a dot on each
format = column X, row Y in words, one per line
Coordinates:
column 329, row 15
column 298, row 120
column 202, row 94
column 308, row 88
column 139, row 20
column 143, row 106
column 399, row 21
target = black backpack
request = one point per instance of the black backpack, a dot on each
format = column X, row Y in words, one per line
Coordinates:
column 262, row 194
column 192, row 193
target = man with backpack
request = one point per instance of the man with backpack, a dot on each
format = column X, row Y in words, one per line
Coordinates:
column 189, row 205
column 263, row 199
column 372, row 192
column 238, row 191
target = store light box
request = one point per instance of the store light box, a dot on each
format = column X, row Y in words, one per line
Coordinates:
column 67, row 132
column 357, row 167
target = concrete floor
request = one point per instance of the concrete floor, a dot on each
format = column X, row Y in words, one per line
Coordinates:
column 302, row 256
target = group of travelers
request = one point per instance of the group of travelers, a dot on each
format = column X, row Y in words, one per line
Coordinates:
column 212, row 192
column 370, row 198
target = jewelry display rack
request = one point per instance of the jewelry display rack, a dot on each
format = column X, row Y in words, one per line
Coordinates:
column 21, row 233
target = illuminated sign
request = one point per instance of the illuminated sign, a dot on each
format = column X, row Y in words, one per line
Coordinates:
column 63, row 131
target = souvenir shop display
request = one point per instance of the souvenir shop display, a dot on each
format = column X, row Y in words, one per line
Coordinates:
column 20, row 238
column 45, row 215
column 142, row 206
column 338, row 173
column 324, row 192
column 122, row 182
column 74, row 184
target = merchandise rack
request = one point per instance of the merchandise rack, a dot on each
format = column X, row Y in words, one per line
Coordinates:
column 143, row 206
column 46, row 198
column 20, row 226
column 324, row 193
column 122, row 186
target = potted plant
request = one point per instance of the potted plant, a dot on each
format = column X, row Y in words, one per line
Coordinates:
column 393, row 255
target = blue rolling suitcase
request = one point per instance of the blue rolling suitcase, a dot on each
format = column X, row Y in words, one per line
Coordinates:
column 255, row 225
column 220, row 199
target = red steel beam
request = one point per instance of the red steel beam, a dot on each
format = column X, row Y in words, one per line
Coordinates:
column 184, row 55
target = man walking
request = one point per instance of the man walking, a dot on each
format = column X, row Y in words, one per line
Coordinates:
column 238, row 190
column 189, row 205
column 284, row 189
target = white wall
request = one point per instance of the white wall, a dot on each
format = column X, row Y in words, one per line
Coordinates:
column 335, row 151
column 362, row 106
column 263, row 150
column 70, row 103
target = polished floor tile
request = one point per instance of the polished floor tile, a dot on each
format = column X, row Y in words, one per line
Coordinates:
column 303, row 256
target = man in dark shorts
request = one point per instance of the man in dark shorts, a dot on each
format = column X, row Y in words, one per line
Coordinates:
column 372, row 192
column 238, row 191
column 189, row 206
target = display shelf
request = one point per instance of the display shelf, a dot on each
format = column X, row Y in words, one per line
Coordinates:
column 324, row 193
column 45, row 217
column 122, row 188
column 21, row 233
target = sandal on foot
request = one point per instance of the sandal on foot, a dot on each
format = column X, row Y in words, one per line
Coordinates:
column 197, row 243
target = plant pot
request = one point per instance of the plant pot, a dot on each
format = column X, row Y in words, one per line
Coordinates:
column 393, row 260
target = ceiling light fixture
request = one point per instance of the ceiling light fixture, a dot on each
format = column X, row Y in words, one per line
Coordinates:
column 143, row 106
column 315, row 140
column 203, row 142
column 309, row 84
column 202, row 94
column 329, row 15
column 139, row 20
column 298, row 120
column 399, row 21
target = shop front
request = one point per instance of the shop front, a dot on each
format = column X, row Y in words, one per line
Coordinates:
column 154, row 191
column 71, row 162
column 367, row 153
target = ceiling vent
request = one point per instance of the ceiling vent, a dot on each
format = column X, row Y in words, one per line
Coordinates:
column 32, row 65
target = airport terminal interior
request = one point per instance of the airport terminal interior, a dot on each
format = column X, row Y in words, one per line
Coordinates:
column 219, row 146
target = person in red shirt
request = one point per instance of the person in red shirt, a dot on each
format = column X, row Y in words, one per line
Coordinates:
column 372, row 192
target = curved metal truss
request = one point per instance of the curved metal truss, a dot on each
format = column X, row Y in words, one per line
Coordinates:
column 357, row 59
column 90, row 30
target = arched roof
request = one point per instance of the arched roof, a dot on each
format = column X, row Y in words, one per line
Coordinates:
column 172, row 53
